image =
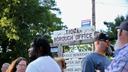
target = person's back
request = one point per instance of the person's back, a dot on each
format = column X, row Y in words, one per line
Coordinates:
column 43, row 64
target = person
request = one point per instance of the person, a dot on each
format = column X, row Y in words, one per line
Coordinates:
column 18, row 65
column 61, row 62
column 29, row 54
column 30, row 51
column 97, row 61
column 4, row 67
column 42, row 58
column 120, row 61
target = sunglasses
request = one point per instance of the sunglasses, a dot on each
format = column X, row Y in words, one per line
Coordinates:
column 119, row 31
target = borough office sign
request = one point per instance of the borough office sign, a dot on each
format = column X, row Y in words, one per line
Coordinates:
column 72, row 36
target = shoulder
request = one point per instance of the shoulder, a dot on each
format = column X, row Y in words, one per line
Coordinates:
column 118, row 64
column 89, row 57
column 31, row 67
column 123, row 53
column 34, row 65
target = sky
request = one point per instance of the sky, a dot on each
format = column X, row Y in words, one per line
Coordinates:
column 74, row 11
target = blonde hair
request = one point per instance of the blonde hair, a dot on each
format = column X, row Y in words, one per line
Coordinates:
column 12, row 66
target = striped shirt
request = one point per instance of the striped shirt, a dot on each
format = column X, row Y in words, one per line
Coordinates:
column 120, row 61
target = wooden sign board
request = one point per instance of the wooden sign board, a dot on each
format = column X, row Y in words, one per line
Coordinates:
column 73, row 36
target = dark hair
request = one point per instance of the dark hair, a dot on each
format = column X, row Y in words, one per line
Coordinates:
column 101, row 36
column 41, row 47
column 12, row 66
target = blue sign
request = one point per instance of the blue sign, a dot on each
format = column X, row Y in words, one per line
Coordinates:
column 86, row 23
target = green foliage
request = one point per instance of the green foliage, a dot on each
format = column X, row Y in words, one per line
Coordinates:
column 112, row 27
column 20, row 21
column 80, row 48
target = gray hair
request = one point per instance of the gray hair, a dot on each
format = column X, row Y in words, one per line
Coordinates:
column 7, row 64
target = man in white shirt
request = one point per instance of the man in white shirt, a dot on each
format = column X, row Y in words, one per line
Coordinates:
column 42, row 60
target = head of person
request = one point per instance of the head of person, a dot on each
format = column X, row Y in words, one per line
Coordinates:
column 4, row 67
column 122, row 34
column 101, row 42
column 30, row 51
column 18, row 65
column 41, row 47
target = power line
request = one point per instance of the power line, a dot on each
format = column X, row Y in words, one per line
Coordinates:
column 110, row 4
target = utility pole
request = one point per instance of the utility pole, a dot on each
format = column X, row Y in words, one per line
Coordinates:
column 93, row 19
column 93, row 14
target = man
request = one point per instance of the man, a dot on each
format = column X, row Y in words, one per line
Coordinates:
column 97, row 61
column 4, row 67
column 42, row 60
column 120, row 61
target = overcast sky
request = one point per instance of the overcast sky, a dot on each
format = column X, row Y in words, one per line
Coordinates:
column 73, row 11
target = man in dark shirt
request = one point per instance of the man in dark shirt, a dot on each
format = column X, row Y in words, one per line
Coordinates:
column 97, row 61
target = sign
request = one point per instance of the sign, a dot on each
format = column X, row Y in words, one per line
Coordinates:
column 86, row 23
column 54, row 49
column 76, row 55
column 73, row 62
column 73, row 69
column 73, row 35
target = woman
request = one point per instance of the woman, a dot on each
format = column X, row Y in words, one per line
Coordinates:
column 18, row 65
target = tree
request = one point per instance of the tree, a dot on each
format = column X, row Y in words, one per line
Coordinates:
column 112, row 27
column 20, row 21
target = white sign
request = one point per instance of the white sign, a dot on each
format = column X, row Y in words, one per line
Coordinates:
column 76, row 55
column 73, row 62
column 71, row 35
column 73, row 69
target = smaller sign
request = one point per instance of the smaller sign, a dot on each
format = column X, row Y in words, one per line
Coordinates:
column 73, row 69
column 54, row 49
column 72, row 62
column 86, row 23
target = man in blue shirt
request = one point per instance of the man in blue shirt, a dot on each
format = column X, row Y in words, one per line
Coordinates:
column 120, row 61
column 97, row 61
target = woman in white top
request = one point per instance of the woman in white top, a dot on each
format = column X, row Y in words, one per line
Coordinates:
column 41, row 59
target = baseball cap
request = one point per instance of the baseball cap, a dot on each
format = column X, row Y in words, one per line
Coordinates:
column 101, row 36
column 123, row 26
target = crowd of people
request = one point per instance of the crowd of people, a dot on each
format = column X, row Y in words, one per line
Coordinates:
column 99, row 62
column 41, row 59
